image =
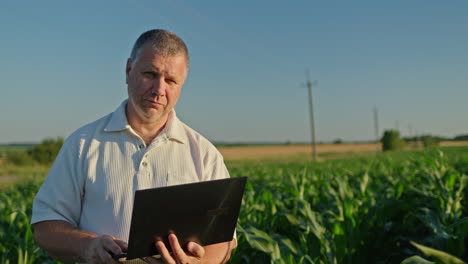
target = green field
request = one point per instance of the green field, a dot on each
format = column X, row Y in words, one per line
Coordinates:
column 353, row 210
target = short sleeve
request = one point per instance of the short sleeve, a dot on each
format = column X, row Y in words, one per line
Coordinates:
column 215, row 168
column 60, row 196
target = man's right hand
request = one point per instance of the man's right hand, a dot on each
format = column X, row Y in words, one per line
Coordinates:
column 68, row 244
column 101, row 249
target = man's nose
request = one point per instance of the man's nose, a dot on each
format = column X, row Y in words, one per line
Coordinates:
column 159, row 87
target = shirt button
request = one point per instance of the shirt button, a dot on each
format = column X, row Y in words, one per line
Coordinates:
column 144, row 163
column 142, row 146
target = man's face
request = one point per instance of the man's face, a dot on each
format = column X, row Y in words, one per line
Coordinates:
column 154, row 83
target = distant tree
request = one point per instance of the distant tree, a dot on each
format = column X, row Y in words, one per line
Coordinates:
column 410, row 139
column 430, row 141
column 46, row 151
column 20, row 158
column 461, row 137
column 391, row 140
column 337, row 141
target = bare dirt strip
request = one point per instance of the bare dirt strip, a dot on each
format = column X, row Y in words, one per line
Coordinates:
column 278, row 151
column 454, row 143
column 6, row 180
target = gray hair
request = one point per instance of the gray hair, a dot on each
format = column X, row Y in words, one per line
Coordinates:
column 164, row 42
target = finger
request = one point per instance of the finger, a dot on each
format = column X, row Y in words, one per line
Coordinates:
column 196, row 250
column 96, row 255
column 105, row 257
column 164, row 252
column 122, row 244
column 112, row 247
column 177, row 250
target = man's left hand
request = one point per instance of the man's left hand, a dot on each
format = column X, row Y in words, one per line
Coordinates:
column 194, row 253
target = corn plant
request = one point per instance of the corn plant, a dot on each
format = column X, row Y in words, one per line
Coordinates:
column 365, row 210
column 16, row 237
column 379, row 209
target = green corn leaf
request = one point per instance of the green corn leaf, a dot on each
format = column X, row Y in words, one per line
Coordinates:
column 364, row 182
column 399, row 190
column 289, row 244
column 13, row 216
column 260, row 240
column 338, row 228
column 416, row 260
column 432, row 220
column 306, row 259
column 314, row 221
column 293, row 220
column 439, row 256
column 462, row 226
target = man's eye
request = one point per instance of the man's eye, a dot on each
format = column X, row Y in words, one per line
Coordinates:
column 171, row 81
column 149, row 74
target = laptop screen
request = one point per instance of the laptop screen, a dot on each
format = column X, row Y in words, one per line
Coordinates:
column 203, row 212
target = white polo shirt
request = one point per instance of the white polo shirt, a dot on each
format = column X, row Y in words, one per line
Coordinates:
column 94, row 177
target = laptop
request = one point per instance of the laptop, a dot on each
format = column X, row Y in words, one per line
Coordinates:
column 203, row 212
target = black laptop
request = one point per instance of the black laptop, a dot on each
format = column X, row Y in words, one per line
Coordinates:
column 203, row 212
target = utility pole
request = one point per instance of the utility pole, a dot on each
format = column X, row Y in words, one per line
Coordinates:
column 410, row 133
column 376, row 127
column 311, row 111
column 397, row 126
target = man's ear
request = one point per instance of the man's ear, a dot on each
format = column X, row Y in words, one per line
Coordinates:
column 128, row 68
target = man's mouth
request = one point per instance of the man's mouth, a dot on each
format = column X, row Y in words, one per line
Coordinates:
column 155, row 103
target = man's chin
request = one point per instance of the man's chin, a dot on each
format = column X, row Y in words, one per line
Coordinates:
column 154, row 116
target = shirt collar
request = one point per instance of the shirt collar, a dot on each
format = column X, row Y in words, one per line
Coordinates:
column 173, row 130
column 118, row 120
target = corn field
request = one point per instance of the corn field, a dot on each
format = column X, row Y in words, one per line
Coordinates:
column 405, row 207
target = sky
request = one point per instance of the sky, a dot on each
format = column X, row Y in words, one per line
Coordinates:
column 62, row 66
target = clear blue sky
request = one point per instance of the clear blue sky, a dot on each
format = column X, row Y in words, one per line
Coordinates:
column 62, row 65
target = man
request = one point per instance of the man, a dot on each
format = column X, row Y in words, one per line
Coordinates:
column 82, row 212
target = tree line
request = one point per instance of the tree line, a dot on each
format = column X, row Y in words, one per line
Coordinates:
column 43, row 153
column 391, row 140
